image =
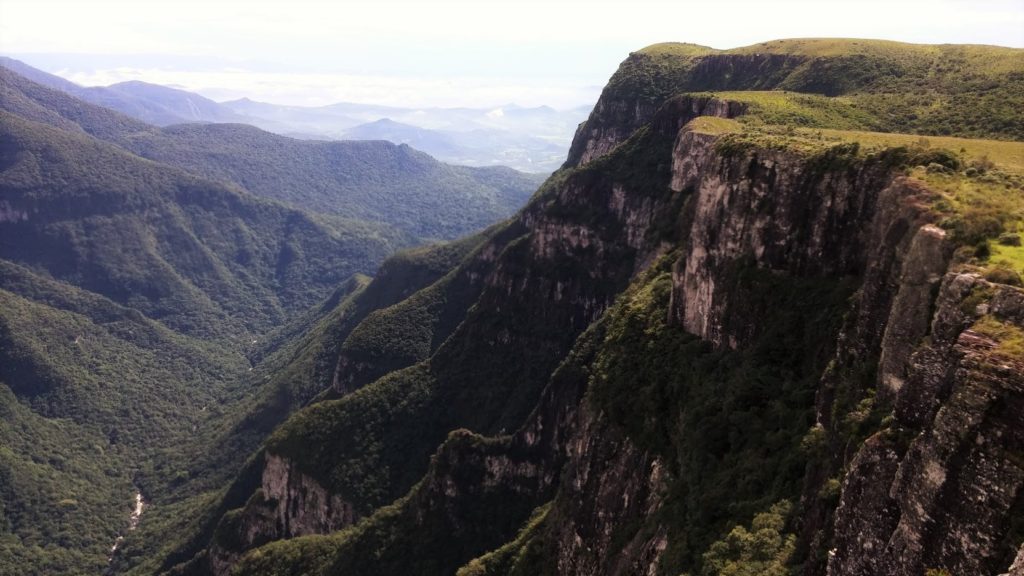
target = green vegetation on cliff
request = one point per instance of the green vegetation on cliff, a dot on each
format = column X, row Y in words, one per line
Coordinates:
column 90, row 389
column 975, row 187
column 728, row 423
column 204, row 258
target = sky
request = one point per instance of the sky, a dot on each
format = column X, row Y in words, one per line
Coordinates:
column 439, row 53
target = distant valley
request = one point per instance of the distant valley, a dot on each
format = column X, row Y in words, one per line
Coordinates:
column 528, row 139
column 152, row 280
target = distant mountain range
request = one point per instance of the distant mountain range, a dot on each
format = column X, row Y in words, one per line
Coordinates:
column 371, row 181
column 466, row 147
column 150, row 103
column 529, row 139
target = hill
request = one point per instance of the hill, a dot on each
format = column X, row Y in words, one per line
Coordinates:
column 150, row 103
column 148, row 310
column 179, row 106
column 481, row 146
column 376, row 181
column 430, row 141
column 373, row 181
column 529, row 139
column 131, row 294
column 200, row 256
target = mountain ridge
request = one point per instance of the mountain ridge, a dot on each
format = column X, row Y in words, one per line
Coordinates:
column 512, row 142
column 150, row 103
column 696, row 247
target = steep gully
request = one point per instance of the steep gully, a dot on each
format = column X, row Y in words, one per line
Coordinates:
column 133, row 523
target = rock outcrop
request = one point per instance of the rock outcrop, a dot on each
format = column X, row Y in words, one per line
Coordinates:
column 947, row 498
column 287, row 504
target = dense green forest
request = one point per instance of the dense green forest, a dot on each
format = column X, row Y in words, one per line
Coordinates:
column 159, row 317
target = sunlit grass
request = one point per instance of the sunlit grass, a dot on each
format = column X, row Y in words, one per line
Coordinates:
column 1009, row 338
column 677, row 49
column 978, row 184
column 714, row 125
column 982, row 59
column 1009, row 256
column 779, row 107
column 837, row 47
column 1007, row 156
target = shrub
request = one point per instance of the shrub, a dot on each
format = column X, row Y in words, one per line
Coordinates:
column 763, row 550
column 1002, row 274
column 943, row 160
column 1009, row 239
column 982, row 250
column 982, row 165
column 977, row 224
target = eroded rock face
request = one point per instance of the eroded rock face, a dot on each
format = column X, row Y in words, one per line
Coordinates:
column 923, row 267
column 769, row 209
column 613, row 122
column 287, row 505
column 614, row 119
column 610, row 485
column 302, row 505
column 947, row 498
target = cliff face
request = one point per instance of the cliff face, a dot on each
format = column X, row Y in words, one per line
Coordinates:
column 616, row 116
column 287, row 504
column 740, row 329
column 770, row 209
column 940, row 485
column 948, row 496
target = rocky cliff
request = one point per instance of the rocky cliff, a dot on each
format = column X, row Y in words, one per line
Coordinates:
column 694, row 328
column 940, row 487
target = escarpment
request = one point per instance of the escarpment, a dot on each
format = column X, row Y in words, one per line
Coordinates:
column 728, row 225
column 524, row 295
column 704, row 347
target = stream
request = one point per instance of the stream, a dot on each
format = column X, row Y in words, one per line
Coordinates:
column 133, row 523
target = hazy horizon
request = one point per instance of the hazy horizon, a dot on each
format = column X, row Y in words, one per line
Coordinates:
column 443, row 54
